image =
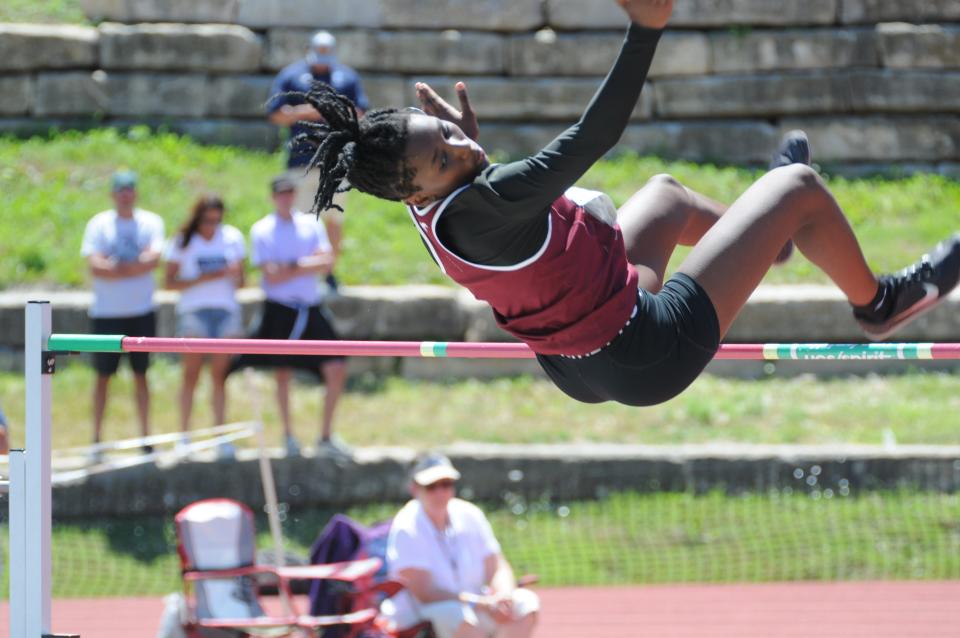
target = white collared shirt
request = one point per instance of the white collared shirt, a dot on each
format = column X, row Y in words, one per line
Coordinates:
column 454, row 558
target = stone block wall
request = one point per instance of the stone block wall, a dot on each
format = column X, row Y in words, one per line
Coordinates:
column 873, row 81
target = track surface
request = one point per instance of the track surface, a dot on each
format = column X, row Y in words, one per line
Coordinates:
column 845, row 610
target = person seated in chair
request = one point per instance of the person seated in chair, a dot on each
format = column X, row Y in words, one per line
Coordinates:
column 456, row 576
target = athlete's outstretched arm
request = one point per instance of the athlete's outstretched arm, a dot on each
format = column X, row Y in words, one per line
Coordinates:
column 533, row 183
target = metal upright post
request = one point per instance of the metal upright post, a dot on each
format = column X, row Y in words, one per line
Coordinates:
column 18, row 544
column 37, row 369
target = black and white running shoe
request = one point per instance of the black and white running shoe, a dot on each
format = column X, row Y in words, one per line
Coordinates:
column 794, row 149
column 913, row 291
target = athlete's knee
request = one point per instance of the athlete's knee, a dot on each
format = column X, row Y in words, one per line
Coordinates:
column 798, row 177
column 667, row 190
column 664, row 180
column 798, row 185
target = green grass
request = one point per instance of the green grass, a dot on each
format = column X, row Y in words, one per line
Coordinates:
column 45, row 11
column 671, row 538
column 918, row 408
column 53, row 186
column 623, row 539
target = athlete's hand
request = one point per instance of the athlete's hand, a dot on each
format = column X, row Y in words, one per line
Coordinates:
column 652, row 14
column 433, row 104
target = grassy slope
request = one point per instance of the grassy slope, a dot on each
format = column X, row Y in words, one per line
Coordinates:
column 45, row 11
column 52, row 187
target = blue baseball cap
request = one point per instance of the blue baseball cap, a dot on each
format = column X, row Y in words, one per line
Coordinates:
column 282, row 184
column 123, row 180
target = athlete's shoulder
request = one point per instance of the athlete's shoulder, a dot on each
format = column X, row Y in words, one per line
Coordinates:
column 479, row 193
column 465, row 191
column 487, row 178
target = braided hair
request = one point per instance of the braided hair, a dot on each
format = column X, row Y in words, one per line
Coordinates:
column 367, row 152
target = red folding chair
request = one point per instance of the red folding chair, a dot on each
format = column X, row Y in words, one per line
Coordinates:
column 216, row 544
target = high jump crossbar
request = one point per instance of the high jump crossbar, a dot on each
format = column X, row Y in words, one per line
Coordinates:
column 475, row 350
column 30, row 478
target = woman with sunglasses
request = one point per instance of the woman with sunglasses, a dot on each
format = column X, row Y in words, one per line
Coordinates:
column 457, row 577
column 205, row 263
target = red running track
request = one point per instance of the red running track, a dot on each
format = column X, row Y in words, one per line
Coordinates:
column 801, row 610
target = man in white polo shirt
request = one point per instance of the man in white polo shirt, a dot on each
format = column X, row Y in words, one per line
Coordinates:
column 122, row 247
column 457, row 578
column 292, row 251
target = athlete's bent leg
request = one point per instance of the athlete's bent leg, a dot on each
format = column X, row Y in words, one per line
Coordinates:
column 658, row 217
column 789, row 202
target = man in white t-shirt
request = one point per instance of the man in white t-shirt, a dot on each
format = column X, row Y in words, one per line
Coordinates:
column 122, row 247
column 292, row 251
column 457, row 578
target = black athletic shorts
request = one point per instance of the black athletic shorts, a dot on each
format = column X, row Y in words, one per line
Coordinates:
column 106, row 363
column 279, row 321
column 667, row 344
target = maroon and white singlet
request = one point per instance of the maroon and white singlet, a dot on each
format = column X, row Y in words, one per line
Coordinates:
column 571, row 297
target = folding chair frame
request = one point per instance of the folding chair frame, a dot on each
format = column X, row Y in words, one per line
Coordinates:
column 361, row 615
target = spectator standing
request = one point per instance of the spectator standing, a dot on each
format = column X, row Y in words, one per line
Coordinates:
column 290, row 248
column 122, row 247
column 320, row 63
column 205, row 263
column 457, row 577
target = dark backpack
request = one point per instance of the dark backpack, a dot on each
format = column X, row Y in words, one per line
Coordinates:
column 341, row 540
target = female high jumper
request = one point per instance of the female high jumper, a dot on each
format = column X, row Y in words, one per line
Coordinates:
column 581, row 283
